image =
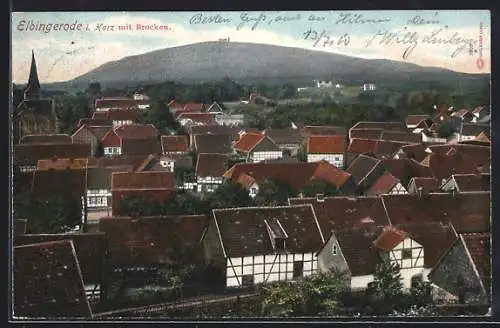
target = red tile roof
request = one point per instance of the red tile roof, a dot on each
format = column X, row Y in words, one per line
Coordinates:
column 386, row 126
column 362, row 146
column 333, row 144
column 213, row 129
column 211, row 165
column 472, row 182
column 245, row 181
column 443, row 166
column 479, row 247
column 175, row 143
column 94, row 122
column 143, row 180
column 323, row 130
column 248, row 141
column 415, row 119
column 383, row 185
column 389, row 238
column 365, row 133
column 435, row 237
column 428, row 184
column 69, row 182
column 48, row 282
column 362, row 166
column 149, row 146
column 297, row 175
column 89, row 247
column 117, row 161
column 46, row 139
column 117, row 115
column 197, row 117
column 401, row 136
column 415, row 151
column 405, row 169
column 136, row 131
column 243, row 230
column 339, row 213
column 29, row 154
column 98, row 131
column 468, row 212
column 116, row 102
column 62, row 164
column 194, row 106
column 151, row 240
column 356, row 245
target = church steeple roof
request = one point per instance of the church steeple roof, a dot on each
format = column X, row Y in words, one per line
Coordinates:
column 33, row 87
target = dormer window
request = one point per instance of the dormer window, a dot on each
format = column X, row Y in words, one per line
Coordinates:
column 277, row 234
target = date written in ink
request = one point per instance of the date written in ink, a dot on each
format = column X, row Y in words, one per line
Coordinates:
column 323, row 39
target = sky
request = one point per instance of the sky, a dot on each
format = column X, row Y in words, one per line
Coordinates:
column 458, row 40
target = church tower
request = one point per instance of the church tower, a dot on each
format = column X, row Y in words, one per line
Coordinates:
column 32, row 91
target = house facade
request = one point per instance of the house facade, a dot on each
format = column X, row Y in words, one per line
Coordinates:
column 262, row 245
column 210, row 169
column 257, row 147
column 90, row 135
column 327, row 148
column 134, row 139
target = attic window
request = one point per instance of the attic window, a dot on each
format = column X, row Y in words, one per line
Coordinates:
column 406, row 254
column 334, row 250
column 280, row 244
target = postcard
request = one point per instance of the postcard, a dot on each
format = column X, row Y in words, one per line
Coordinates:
column 228, row 165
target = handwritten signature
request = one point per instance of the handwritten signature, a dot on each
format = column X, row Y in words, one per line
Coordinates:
column 413, row 39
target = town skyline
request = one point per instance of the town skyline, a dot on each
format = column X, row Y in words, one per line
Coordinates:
column 452, row 40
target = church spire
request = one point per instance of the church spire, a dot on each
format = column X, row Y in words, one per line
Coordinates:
column 33, row 89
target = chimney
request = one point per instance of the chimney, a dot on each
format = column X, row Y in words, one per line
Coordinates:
column 320, row 197
column 420, row 191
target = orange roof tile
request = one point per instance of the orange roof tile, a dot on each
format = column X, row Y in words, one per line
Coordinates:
column 248, row 141
column 175, row 143
column 326, row 144
column 389, row 238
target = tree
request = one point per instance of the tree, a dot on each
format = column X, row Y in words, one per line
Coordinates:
column 186, row 203
column 315, row 187
column 273, row 192
column 386, row 288
column 136, row 206
column 54, row 213
column 446, row 129
column 301, row 154
column 183, row 174
column 159, row 114
column 230, row 194
column 421, row 292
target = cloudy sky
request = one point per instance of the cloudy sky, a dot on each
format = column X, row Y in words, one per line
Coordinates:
column 456, row 40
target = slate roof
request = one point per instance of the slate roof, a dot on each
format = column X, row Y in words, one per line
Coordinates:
column 213, row 143
column 46, row 138
column 175, row 143
column 89, row 247
column 468, row 212
column 332, row 144
column 443, row 166
column 361, row 167
column 142, row 180
column 435, row 237
column 213, row 129
column 284, row 136
column 479, row 247
column 29, row 154
column 358, row 249
column 297, row 175
column 362, row 146
column 248, row 141
column 386, row 126
column 383, row 185
column 48, row 281
column 472, row 182
column 389, row 238
column 243, row 230
column 211, row 165
column 339, row 213
column 151, row 240
column 323, row 130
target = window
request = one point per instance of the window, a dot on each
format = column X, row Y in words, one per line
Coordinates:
column 406, row 254
column 334, row 250
column 279, row 244
column 247, row 280
column 298, row 269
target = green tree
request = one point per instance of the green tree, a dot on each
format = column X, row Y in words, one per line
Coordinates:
column 136, row 206
column 54, row 213
column 315, row 187
column 386, row 289
column 183, row 174
column 302, row 155
column 160, row 115
column 230, row 194
column 273, row 192
column 185, row 202
column 446, row 129
column 421, row 293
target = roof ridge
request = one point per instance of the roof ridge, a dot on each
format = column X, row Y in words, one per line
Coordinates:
column 258, row 207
